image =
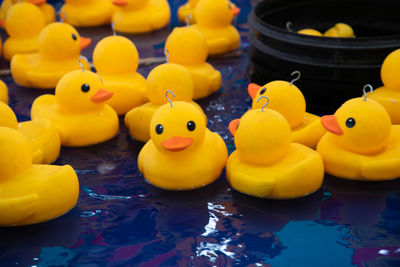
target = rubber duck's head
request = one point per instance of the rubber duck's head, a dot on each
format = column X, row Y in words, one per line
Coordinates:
column 115, row 55
column 261, row 136
column 179, row 127
column 172, row 77
column 390, row 71
column 77, row 2
column 215, row 13
column 81, row 91
column 15, row 153
column 186, row 46
column 35, row 2
column 340, row 30
column 130, row 4
column 59, row 41
column 24, row 20
column 284, row 97
column 360, row 126
column 7, row 117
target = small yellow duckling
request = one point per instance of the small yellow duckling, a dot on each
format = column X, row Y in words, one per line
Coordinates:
column 140, row 16
column 3, row 92
column 188, row 47
column 361, row 144
column 342, row 30
column 287, row 99
column 266, row 163
column 310, row 32
column 42, row 135
column 389, row 94
column 23, row 23
column 214, row 19
column 59, row 52
column 48, row 11
column 78, row 110
column 161, row 78
column 116, row 60
column 182, row 153
column 31, row 193
column 87, row 13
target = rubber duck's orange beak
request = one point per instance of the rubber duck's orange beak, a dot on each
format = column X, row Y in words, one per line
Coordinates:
column 253, row 89
column 331, row 124
column 120, row 2
column 101, row 96
column 84, row 42
column 235, row 11
column 2, row 23
column 233, row 125
column 37, row 2
column 177, row 143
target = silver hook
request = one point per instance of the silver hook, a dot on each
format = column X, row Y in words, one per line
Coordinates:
column 166, row 53
column 297, row 78
column 289, row 26
column 63, row 13
column 261, row 97
column 371, row 89
column 166, row 96
column 113, row 28
column 80, row 64
column 189, row 16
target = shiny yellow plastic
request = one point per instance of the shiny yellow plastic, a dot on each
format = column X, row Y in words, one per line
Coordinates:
column 267, row 164
column 188, row 47
column 87, row 13
column 42, row 135
column 23, row 23
column 116, row 60
column 186, row 12
column 140, row 16
column 310, row 32
column 369, row 150
column 196, row 164
column 214, row 19
column 342, row 30
column 79, row 119
column 162, row 78
column 3, row 92
column 59, row 52
column 31, row 193
column 48, row 11
column 289, row 101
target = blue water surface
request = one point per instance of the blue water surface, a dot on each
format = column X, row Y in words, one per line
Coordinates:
column 121, row 220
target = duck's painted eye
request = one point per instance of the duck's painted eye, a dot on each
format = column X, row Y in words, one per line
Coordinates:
column 191, row 125
column 350, row 122
column 263, row 90
column 159, row 129
column 74, row 36
column 85, row 87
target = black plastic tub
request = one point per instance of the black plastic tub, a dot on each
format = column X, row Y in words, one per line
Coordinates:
column 333, row 69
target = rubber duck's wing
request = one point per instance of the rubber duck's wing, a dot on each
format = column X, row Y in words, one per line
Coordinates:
column 251, row 185
column 16, row 210
column 219, row 44
column 388, row 168
column 46, row 79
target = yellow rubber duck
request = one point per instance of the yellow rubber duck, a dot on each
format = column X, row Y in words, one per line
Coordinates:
column 48, row 10
column 287, row 99
column 266, row 163
column 78, row 110
column 341, row 30
column 59, row 52
column 87, row 13
column 389, row 94
column 3, row 92
column 182, row 153
column 140, row 16
column 32, row 193
column 214, row 19
column 116, row 60
column 362, row 144
column 23, row 23
column 188, row 47
column 160, row 79
column 310, row 32
column 42, row 135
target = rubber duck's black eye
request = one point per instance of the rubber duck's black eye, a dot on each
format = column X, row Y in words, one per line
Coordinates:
column 350, row 122
column 159, row 129
column 74, row 36
column 191, row 125
column 263, row 91
column 85, row 87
